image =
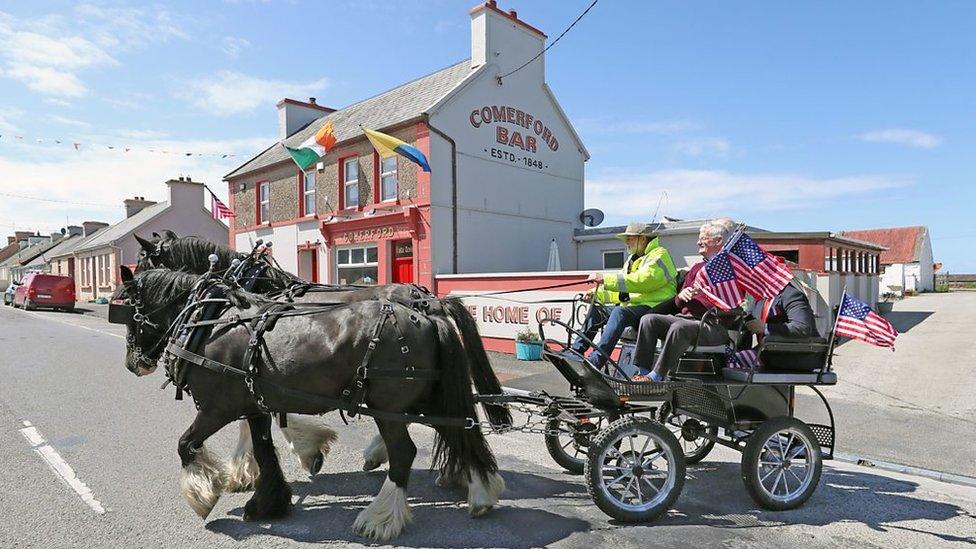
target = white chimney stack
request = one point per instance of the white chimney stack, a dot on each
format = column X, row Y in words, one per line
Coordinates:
column 294, row 115
column 504, row 40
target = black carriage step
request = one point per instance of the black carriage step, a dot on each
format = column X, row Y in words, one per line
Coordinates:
column 779, row 377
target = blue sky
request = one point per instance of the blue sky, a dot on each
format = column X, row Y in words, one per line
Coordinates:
column 825, row 116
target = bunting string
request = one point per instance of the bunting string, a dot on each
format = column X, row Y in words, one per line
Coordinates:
column 78, row 146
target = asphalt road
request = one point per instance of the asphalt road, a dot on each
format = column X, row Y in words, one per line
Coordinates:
column 63, row 375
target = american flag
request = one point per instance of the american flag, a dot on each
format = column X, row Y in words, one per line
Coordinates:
column 856, row 320
column 742, row 360
column 718, row 282
column 760, row 274
column 218, row 209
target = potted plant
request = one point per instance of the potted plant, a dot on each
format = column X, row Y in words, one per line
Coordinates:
column 887, row 302
column 528, row 345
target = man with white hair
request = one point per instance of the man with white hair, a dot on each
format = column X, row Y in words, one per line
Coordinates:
column 679, row 332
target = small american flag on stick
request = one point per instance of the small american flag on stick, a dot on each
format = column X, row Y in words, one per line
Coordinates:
column 218, row 209
column 761, row 274
column 856, row 320
column 718, row 282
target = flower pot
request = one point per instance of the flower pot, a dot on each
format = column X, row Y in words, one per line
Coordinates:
column 528, row 350
column 885, row 306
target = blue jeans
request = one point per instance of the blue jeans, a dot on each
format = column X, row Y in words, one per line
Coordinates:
column 614, row 319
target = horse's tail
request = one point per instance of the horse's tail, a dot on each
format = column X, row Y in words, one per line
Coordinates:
column 457, row 450
column 485, row 380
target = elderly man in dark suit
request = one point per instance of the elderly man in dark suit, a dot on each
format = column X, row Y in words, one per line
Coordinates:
column 788, row 315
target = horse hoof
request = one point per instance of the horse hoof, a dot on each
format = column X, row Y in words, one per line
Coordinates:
column 316, row 465
column 479, row 510
column 280, row 506
column 371, row 464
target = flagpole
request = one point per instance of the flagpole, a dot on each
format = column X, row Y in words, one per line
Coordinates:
column 739, row 231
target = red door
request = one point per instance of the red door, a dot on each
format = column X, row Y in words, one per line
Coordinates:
column 403, row 262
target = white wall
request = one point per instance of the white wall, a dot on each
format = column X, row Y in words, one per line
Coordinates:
column 504, row 200
column 285, row 241
column 682, row 247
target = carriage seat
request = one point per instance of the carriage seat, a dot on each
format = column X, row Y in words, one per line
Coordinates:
column 779, row 377
column 629, row 336
column 788, row 360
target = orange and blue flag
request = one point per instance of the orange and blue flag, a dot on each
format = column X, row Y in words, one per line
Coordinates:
column 387, row 146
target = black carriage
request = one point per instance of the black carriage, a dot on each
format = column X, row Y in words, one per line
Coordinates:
column 632, row 440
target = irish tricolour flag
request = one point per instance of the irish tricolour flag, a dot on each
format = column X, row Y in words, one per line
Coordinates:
column 314, row 147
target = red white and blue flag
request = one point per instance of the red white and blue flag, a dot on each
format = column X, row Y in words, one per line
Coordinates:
column 856, row 320
column 218, row 209
column 742, row 360
column 760, row 274
column 717, row 281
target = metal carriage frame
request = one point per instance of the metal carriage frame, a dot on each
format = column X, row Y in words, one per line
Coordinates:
column 701, row 405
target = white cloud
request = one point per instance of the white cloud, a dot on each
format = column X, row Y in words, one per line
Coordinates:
column 56, row 101
column 693, row 193
column 102, row 176
column 909, row 138
column 46, row 80
column 65, row 121
column 229, row 92
column 233, row 46
column 48, row 53
column 704, row 146
column 6, row 114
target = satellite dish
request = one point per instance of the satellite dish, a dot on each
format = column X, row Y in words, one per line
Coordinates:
column 591, row 217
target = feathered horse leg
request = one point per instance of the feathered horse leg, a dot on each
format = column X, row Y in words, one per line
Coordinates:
column 310, row 440
column 243, row 467
column 204, row 476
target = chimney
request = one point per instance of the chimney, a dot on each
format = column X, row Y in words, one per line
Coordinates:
column 184, row 193
column 75, row 230
column 56, row 236
column 294, row 115
column 136, row 205
column 11, row 240
column 504, row 40
column 89, row 227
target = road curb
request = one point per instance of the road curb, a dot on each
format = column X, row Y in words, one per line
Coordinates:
column 941, row 476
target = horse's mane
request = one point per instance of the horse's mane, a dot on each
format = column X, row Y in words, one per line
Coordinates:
column 165, row 285
column 192, row 252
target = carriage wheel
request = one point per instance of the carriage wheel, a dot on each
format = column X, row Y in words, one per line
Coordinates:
column 781, row 464
column 634, row 471
column 569, row 447
column 688, row 432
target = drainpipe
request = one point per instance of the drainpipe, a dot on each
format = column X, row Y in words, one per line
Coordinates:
column 454, row 194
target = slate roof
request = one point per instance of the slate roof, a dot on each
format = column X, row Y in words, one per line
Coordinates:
column 28, row 254
column 115, row 232
column 64, row 245
column 904, row 243
column 386, row 109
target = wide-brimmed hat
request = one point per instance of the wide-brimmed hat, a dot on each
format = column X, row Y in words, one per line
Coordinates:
column 636, row 229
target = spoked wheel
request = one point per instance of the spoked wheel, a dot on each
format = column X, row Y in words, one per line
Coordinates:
column 635, row 470
column 569, row 447
column 781, row 464
column 689, row 431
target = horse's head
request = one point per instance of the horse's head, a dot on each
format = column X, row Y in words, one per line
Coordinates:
column 146, row 312
column 155, row 252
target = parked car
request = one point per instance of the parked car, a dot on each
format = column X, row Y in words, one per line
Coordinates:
column 8, row 296
column 45, row 290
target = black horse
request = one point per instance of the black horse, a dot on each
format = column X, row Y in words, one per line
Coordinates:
column 309, row 440
column 318, row 355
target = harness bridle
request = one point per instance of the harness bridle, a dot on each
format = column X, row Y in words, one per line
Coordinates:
column 131, row 313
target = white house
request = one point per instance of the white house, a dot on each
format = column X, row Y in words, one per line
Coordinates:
column 908, row 263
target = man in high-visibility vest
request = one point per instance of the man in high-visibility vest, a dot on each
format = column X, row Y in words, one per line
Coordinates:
column 621, row 298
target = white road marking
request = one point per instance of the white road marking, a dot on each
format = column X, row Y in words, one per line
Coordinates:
column 46, row 317
column 60, row 467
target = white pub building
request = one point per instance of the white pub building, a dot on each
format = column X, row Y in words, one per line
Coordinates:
column 506, row 174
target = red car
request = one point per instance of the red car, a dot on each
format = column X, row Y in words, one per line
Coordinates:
column 45, row 290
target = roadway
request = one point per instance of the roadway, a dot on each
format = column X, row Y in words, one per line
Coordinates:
column 114, row 437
